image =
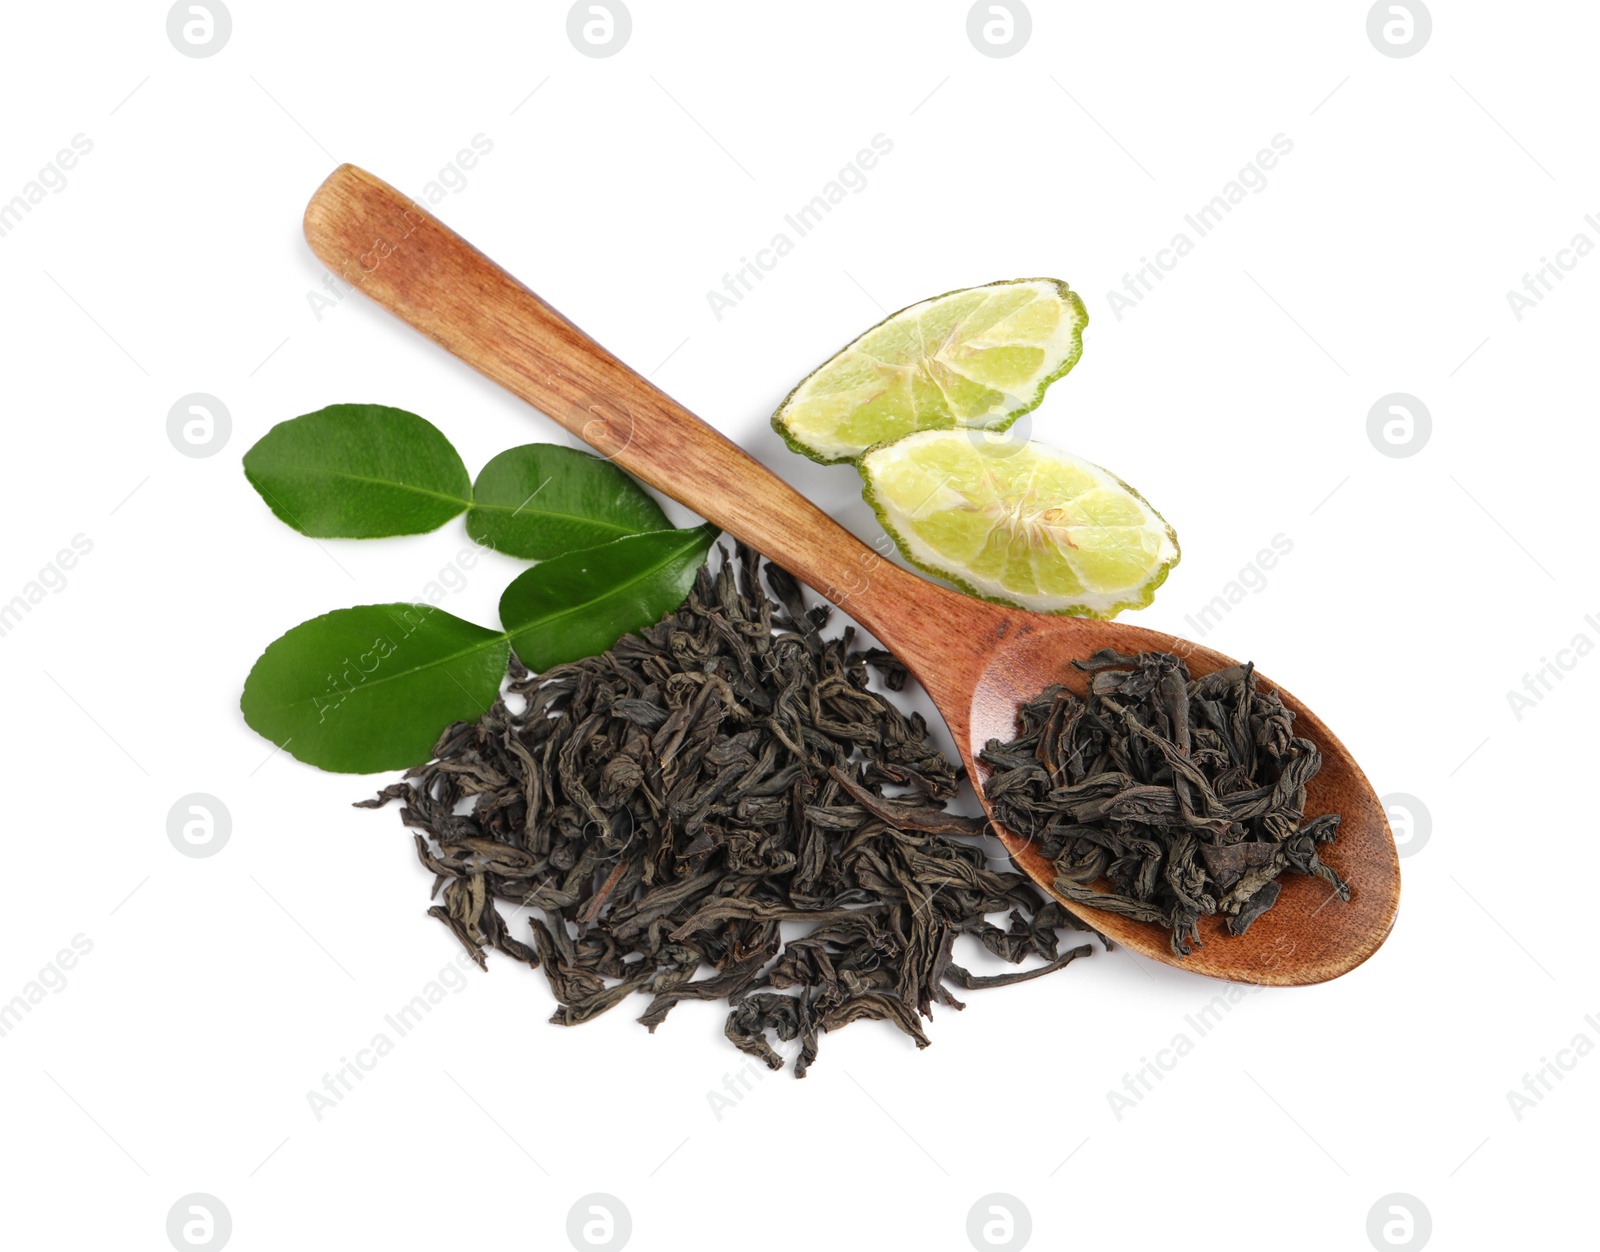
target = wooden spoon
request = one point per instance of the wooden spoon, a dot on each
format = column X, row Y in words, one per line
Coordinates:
column 978, row 661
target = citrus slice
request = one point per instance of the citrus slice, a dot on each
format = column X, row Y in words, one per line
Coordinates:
column 982, row 357
column 1019, row 523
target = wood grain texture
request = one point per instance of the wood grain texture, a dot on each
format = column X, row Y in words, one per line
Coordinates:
column 978, row 661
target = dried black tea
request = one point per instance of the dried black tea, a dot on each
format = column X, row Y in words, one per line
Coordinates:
column 1186, row 795
column 666, row 807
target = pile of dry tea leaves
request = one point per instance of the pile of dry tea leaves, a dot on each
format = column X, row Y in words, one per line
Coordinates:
column 1187, row 795
column 666, row 807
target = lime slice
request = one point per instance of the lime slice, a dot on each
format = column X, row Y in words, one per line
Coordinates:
column 978, row 357
column 1019, row 523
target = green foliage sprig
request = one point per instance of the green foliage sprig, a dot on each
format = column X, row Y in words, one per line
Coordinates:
column 370, row 688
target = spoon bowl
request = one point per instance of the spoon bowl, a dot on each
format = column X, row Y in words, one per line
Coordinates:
column 1307, row 936
column 978, row 661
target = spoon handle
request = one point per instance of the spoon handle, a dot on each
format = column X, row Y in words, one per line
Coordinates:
column 394, row 251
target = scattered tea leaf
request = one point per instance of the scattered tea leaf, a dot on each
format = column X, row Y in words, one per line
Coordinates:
column 359, row 471
column 542, row 500
column 578, row 605
column 366, row 689
column 709, row 798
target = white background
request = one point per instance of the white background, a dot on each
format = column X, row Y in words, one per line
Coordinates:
column 1419, row 591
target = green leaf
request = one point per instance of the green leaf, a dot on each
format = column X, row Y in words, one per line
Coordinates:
column 359, row 471
column 370, row 688
column 542, row 500
column 580, row 604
